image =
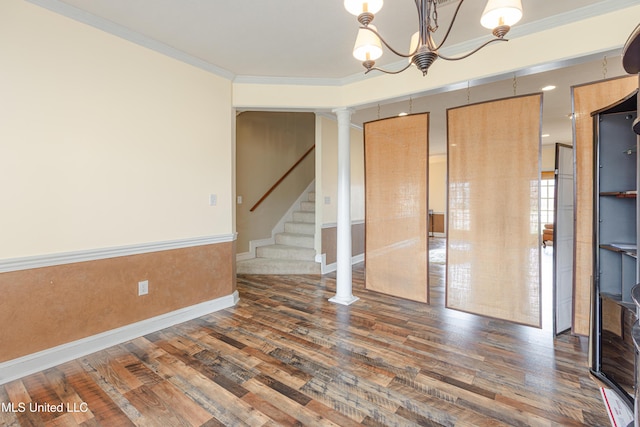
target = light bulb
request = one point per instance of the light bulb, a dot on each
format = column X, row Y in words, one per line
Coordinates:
column 367, row 46
column 501, row 12
column 356, row 7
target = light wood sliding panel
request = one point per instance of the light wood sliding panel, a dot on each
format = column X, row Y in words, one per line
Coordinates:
column 396, row 182
column 586, row 99
column 493, row 244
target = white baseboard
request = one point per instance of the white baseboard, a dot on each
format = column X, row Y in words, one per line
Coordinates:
column 36, row 362
column 243, row 256
column 329, row 268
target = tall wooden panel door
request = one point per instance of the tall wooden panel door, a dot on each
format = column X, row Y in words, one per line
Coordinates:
column 493, row 234
column 396, row 214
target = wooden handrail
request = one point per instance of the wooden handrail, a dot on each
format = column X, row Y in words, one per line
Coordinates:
column 273, row 187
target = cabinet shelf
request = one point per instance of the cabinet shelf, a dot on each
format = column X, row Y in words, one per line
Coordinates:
column 631, row 194
column 623, row 248
column 616, row 252
column 617, row 298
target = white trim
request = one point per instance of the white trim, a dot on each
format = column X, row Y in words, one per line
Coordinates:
column 48, row 260
column 110, row 27
column 255, row 244
column 80, row 15
column 36, row 362
column 330, row 268
column 332, row 117
column 334, row 225
column 245, row 256
column 294, row 81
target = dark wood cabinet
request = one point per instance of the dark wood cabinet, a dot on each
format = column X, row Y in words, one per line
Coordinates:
column 615, row 229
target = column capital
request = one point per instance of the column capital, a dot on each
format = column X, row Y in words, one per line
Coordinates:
column 343, row 110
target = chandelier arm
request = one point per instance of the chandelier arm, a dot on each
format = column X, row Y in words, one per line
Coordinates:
column 473, row 51
column 404, row 55
column 455, row 15
column 386, row 71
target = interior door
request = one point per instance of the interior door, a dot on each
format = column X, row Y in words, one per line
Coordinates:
column 563, row 240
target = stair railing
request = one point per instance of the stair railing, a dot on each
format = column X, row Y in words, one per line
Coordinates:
column 273, row 187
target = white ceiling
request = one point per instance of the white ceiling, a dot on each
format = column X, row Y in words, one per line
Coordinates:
column 312, row 40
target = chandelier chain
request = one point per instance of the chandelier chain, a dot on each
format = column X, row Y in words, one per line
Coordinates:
column 410, row 105
column 378, row 111
column 515, row 85
column 604, row 67
column 468, row 92
column 435, row 17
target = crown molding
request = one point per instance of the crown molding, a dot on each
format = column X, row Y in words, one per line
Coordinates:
column 110, row 27
column 293, row 81
column 521, row 30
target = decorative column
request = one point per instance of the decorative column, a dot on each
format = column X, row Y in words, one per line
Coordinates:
column 344, row 294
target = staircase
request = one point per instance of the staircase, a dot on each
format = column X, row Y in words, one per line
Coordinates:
column 293, row 251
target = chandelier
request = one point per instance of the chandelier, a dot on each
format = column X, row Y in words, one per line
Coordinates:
column 498, row 15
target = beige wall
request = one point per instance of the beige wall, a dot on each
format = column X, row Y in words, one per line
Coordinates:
column 328, row 136
column 267, row 145
column 105, row 144
column 438, row 183
column 548, row 157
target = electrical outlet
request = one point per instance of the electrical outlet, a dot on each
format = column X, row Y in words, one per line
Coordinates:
column 143, row 287
column 213, row 199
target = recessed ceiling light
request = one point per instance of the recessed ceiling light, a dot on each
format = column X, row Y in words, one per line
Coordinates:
column 550, row 87
column 403, row 114
column 545, row 135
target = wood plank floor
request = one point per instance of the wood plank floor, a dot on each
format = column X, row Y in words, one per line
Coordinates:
column 286, row 356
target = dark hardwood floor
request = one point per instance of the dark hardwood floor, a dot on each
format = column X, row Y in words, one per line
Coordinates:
column 286, row 356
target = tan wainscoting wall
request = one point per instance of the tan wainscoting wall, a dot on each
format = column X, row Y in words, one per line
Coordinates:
column 49, row 306
column 493, row 237
column 396, row 153
column 330, row 239
column 586, row 99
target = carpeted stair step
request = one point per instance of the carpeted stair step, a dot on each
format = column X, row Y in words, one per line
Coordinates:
column 286, row 252
column 295, row 239
column 302, row 216
column 300, row 227
column 308, row 206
